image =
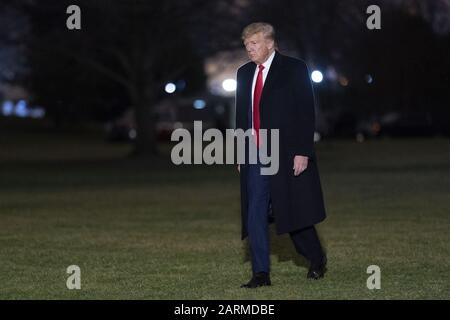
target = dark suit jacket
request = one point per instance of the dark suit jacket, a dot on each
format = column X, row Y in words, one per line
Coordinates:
column 287, row 104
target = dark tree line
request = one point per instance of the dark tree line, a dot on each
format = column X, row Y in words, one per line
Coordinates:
column 124, row 54
column 128, row 49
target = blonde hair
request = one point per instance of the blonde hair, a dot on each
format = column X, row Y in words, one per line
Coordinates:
column 253, row 28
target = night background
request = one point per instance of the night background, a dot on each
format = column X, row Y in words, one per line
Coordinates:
column 86, row 176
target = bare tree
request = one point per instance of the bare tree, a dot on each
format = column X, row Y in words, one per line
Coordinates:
column 139, row 44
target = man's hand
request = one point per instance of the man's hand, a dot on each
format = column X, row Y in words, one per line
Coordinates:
column 239, row 168
column 300, row 164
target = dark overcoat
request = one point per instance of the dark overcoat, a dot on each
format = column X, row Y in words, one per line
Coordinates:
column 287, row 104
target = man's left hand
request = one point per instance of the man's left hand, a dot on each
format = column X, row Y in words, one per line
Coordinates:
column 300, row 164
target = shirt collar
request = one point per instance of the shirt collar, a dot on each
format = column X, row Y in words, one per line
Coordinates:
column 268, row 62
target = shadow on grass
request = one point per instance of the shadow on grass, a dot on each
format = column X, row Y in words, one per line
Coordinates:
column 283, row 248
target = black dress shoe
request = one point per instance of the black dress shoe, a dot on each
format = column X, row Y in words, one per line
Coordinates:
column 258, row 280
column 317, row 271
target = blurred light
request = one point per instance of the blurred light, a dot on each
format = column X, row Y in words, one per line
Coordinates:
column 317, row 76
column 199, row 104
column 37, row 113
column 132, row 134
column 170, row 87
column 368, row 78
column 21, row 109
column 7, row 108
column 229, row 85
column 359, row 137
column 343, row 81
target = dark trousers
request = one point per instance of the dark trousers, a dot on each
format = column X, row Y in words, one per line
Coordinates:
column 306, row 241
column 258, row 223
column 307, row 244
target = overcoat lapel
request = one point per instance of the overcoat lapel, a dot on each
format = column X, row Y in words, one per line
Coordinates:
column 271, row 79
column 269, row 84
column 248, row 80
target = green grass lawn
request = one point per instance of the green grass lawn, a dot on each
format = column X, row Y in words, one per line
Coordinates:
column 150, row 230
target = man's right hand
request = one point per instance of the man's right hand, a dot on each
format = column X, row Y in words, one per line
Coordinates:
column 239, row 168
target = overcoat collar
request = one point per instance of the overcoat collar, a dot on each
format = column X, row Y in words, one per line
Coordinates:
column 271, row 76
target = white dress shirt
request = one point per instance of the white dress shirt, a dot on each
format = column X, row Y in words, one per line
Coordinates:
column 265, row 71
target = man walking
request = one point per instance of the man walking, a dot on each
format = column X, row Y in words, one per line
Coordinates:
column 274, row 92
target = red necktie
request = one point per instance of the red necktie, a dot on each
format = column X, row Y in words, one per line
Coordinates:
column 256, row 99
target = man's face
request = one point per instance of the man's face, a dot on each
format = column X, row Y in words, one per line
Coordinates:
column 258, row 47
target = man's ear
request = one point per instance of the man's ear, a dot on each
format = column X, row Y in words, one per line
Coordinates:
column 272, row 45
